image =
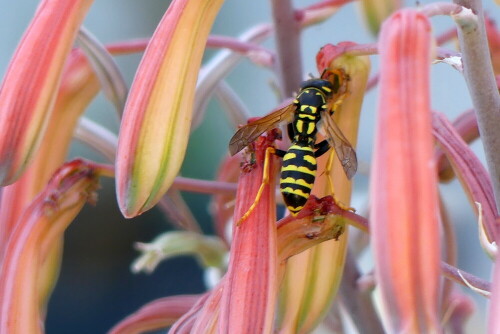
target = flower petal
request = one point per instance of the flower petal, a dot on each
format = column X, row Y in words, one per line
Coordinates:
column 251, row 284
column 29, row 87
column 404, row 216
column 157, row 117
column 471, row 173
column 79, row 85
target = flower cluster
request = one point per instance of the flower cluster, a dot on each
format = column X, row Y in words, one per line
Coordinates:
column 286, row 274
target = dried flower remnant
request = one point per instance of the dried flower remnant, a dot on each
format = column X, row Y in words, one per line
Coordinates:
column 31, row 243
column 404, row 202
column 155, row 125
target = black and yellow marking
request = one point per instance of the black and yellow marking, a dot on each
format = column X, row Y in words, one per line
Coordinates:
column 297, row 176
column 317, row 98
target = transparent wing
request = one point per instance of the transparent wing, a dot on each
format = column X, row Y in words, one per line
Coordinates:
column 337, row 140
column 250, row 132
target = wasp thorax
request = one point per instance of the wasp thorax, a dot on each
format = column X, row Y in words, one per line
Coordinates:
column 323, row 85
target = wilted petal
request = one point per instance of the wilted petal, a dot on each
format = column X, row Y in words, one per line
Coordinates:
column 466, row 126
column 41, row 225
column 29, row 87
column 403, row 186
column 320, row 220
column 470, row 171
column 158, row 112
column 155, row 315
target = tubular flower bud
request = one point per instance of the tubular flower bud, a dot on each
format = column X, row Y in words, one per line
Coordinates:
column 251, row 284
column 404, row 201
column 29, row 87
column 157, row 116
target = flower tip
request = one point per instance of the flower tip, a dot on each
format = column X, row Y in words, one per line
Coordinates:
column 330, row 52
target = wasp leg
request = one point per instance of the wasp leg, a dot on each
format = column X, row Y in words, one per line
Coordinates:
column 321, row 148
column 265, row 181
column 328, row 170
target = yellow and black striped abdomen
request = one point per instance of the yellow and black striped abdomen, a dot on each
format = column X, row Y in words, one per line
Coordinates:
column 297, row 176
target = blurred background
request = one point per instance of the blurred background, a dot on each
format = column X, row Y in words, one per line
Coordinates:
column 96, row 288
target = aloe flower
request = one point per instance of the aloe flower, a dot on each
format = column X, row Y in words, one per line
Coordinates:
column 252, row 291
column 155, row 125
column 29, row 87
column 79, row 85
column 404, row 214
column 265, row 271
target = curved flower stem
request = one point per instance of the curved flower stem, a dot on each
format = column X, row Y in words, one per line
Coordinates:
column 327, row 3
column 458, row 276
column 361, row 49
column 481, row 82
column 235, row 44
column 441, row 8
column 287, row 32
column 204, row 186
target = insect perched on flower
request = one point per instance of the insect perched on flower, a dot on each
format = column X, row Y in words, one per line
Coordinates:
column 315, row 102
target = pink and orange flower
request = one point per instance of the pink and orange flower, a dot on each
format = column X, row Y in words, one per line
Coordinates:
column 287, row 275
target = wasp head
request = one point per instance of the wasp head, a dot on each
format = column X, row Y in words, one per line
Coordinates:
column 324, row 86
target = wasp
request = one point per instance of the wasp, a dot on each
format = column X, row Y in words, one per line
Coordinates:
column 309, row 112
